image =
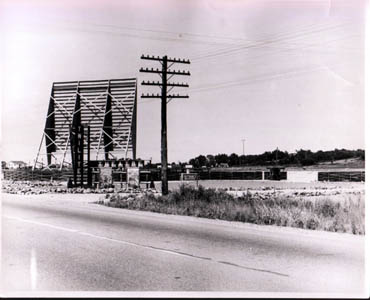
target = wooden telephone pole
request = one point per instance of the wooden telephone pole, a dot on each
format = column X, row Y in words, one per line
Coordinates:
column 166, row 64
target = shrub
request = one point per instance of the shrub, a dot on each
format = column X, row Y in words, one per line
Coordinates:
column 325, row 214
column 312, row 223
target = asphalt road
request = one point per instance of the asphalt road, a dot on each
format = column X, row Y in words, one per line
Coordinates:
column 64, row 243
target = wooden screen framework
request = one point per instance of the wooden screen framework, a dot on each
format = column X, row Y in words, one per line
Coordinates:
column 108, row 107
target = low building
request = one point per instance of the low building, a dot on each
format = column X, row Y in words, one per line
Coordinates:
column 16, row 164
column 323, row 174
column 302, row 176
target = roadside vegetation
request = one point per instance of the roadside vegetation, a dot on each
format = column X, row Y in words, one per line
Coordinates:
column 324, row 214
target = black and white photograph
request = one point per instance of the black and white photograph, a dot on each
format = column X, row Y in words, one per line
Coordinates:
column 184, row 148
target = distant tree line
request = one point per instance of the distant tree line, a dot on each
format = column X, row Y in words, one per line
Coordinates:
column 300, row 157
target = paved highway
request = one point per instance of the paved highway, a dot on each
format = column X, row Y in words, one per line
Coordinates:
column 66, row 243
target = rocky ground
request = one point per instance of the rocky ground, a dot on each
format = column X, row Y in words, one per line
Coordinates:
column 337, row 193
column 333, row 191
column 55, row 187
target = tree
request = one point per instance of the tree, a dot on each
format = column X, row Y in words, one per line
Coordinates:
column 221, row 159
column 202, row 160
column 199, row 161
column 303, row 157
column 243, row 160
column 233, row 160
column 211, row 161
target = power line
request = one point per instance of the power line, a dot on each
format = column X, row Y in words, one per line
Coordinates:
column 257, row 79
column 180, row 33
column 303, row 50
column 262, row 43
column 307, row 48
column 214, row 43
column 168, row 39
column 171, row 32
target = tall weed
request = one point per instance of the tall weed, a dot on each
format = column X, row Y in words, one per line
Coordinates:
column 326, row 214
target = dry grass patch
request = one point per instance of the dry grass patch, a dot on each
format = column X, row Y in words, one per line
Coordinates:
column 346, row 216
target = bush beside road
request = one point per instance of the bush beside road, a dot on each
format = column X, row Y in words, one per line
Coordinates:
column 259, row 208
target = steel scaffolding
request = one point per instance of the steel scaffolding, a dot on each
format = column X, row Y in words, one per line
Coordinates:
column 107, row 107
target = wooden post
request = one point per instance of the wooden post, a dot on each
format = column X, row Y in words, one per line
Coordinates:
column 74, row 154
column 81, row 158
column 164, row 128
column 164, row 100
column 89, row 174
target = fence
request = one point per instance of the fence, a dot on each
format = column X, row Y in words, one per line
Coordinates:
column 358, row 176
column 37, row 174
column 175, row 175
column 213, row 175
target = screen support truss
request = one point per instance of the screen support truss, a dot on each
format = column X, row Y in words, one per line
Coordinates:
column 108, row 107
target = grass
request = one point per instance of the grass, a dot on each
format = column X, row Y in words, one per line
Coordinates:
column 347, row 216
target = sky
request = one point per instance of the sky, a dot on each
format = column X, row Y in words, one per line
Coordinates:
column 286, row 74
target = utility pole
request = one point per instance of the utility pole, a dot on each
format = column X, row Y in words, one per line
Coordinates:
column 243, row 140
column 166, row 64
